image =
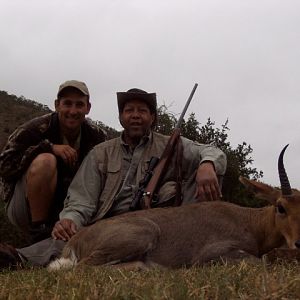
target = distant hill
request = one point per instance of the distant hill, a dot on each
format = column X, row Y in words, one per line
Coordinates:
column 15, row 111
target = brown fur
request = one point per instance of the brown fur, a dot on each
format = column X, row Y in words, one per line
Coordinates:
column 191, row 234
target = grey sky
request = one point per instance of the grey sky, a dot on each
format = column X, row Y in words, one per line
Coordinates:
column 243, row 54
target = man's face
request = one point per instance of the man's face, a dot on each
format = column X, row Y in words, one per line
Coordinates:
column 136, row 119
column 72, row 108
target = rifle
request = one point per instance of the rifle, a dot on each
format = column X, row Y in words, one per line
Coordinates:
column 136, row 202
column 161, row 166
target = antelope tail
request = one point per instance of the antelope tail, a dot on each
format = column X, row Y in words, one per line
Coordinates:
column 63, row 263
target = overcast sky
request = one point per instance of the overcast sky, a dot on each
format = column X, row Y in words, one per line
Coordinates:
column 244, row 54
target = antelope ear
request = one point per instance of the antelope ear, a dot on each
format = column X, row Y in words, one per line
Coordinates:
column 261, row 190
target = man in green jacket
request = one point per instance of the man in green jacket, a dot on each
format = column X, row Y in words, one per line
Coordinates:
column 109, row 176
column 41, row 158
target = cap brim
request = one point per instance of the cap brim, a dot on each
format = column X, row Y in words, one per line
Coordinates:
column 79, row 85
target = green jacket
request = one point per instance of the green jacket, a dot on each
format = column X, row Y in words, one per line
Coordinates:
column 100, row 178
column 34, row 137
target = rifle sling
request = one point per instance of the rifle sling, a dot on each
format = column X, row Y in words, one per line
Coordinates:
column 178, row 172
column 177, row 199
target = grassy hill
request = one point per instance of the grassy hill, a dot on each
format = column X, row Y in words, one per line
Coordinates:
column 15, row 111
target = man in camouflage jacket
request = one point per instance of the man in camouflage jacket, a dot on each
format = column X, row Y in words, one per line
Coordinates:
column 41, row 158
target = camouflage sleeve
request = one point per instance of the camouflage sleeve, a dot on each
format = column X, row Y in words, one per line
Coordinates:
column 22, row 147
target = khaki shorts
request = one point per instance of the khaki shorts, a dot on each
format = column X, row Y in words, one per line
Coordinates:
column 18, row 211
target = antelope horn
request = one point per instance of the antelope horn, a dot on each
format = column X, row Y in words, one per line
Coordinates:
column 284, row 181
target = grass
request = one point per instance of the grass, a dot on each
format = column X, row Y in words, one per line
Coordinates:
column 219, row 281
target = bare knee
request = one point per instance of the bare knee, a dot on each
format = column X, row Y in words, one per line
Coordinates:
column 44, row 165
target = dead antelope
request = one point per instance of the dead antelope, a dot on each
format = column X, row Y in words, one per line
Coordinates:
column 191, row 234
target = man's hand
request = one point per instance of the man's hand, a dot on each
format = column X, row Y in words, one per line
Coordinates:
column 64, row 229
column 67, row 153
column 207, row 188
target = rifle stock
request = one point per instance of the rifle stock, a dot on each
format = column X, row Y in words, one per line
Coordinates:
column 160, row 168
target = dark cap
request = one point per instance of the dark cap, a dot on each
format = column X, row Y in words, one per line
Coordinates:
column 137, row 94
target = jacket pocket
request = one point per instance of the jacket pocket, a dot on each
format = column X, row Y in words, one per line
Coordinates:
column 111, row 182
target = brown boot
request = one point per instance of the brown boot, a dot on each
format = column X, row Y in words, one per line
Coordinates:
column 9, row 257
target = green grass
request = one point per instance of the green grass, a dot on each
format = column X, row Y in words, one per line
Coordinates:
column 240, row 281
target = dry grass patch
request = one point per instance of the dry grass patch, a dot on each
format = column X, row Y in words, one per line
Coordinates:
column 220, row 281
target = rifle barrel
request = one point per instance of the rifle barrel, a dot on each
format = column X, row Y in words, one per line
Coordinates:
column 178, row 124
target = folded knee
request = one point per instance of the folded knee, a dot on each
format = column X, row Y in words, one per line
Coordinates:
column 43, row 163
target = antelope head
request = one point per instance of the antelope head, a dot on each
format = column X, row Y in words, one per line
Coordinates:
column 286, row 203
column 288, row 208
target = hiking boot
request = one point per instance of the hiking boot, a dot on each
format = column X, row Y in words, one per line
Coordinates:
column 9, row 257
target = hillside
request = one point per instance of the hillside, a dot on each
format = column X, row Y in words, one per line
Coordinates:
column 15, row 111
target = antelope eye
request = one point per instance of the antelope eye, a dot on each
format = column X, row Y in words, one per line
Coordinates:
column 280, row 209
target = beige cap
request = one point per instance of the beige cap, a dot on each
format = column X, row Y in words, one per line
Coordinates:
column 81, row 86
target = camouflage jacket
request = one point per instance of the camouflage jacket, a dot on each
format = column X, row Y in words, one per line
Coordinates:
column 35, row 137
